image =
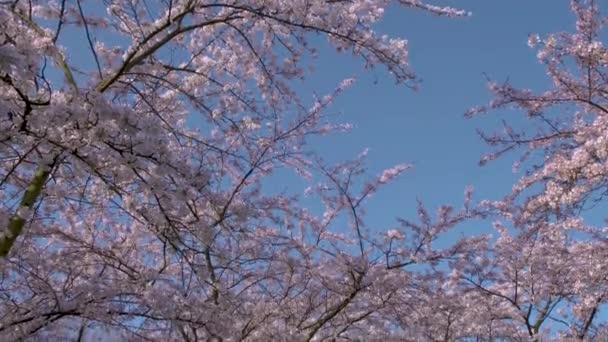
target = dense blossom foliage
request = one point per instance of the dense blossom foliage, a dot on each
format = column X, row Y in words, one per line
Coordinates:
column 134, row 165
column 547, row 272
column 132, row 197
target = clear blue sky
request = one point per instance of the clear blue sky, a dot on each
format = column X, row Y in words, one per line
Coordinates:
column 427, row 127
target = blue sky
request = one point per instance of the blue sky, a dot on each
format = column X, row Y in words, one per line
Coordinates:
column 427, row 127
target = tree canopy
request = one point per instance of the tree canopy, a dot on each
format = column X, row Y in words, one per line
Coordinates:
column 132, row 198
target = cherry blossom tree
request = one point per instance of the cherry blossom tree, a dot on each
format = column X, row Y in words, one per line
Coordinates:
column 132, row 196
column 547, row 270
column 564, row 141
column 536, row 281
column 133, row 202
